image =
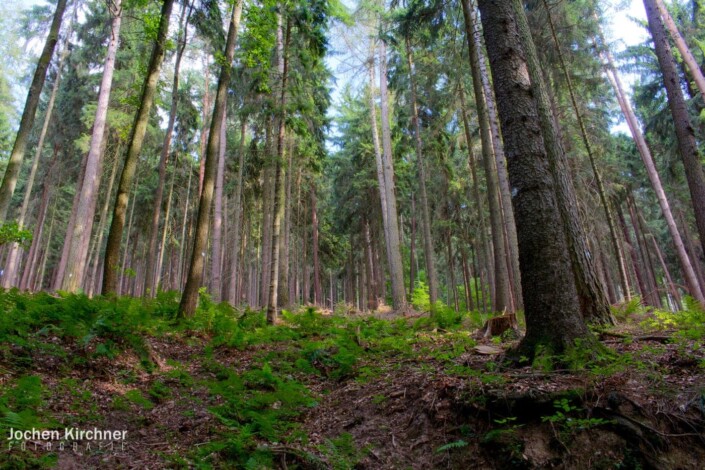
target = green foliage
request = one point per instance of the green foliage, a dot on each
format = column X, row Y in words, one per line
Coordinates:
column 135, row 396
column 452, row 445
column 420, row 297
column 11, row 232
column 569, row 418
column 21, row 405
column 259, row 404
column 341, row 452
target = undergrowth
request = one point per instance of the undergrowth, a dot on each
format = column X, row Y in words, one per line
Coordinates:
column 258, row 403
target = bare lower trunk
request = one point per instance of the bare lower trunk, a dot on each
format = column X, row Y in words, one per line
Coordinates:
column 552, row 309
column 189, row 299
column 216, row 280
column 234, row 277
column 14, row 164
column 624, row 280
column 139, row 128
column 501, row 291
column 591, row 293
column 647, row 159
column 150, row 276
column 685, row 132
column 421, row 174
column 85, row 209
column 396, row 268
column 317, row 290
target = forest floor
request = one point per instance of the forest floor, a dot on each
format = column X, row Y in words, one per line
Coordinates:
column 224, row 390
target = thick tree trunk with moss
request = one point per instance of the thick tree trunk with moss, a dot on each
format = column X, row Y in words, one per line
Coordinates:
column 552, row 308
column 12, row 171
column 136, row 140
column 593, row 298
column 189, row 299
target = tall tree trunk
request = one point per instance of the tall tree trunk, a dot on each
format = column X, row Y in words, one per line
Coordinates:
column 151, row 275
column 189, row 298
column 98, row 248
column 505, row 198
column 412, row 248
column 165, row 231
column 13, row 259
column 30, row 266
column 183, row 240
column 268, row 194
column 624, row 280
column 591, row 293
column 552, row 308
column 14, row 164
column 317, row 290
column 379, row 160
column 123, row 267
column 421, row 175
column 501, row 288
column 206, row 123
column 643, row 291
column 685, row 263
column 77, row 257
column 685, row 132
column 284, row 238
column 279, row 178
column 234, row 277
column 216, row 280
column 683, row 48
column 396, row 268
column 137, row 133
column 647, row 261
column 485, row 252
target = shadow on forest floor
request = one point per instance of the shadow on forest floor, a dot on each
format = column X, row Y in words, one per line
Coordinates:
column 224, row 390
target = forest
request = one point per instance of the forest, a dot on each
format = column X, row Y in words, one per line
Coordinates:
column 352, row 234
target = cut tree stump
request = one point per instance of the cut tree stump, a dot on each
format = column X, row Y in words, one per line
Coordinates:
column 498, row 325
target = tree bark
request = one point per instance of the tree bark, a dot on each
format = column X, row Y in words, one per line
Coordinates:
column 279, row 181
column 685, row 263
column 421, row 175
column 234, row 277
column 485, row 253
column 14, row 164
column 552, row 308
column 139, row 128
column 396, row 268
column 624, row 280
column 13, row 259
column 593, row 298
column 683, row 48
column 685, row 132
column 189, row 298
column 216, row 279
column 150, row 276
column 317, row 290
column 501, row 289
